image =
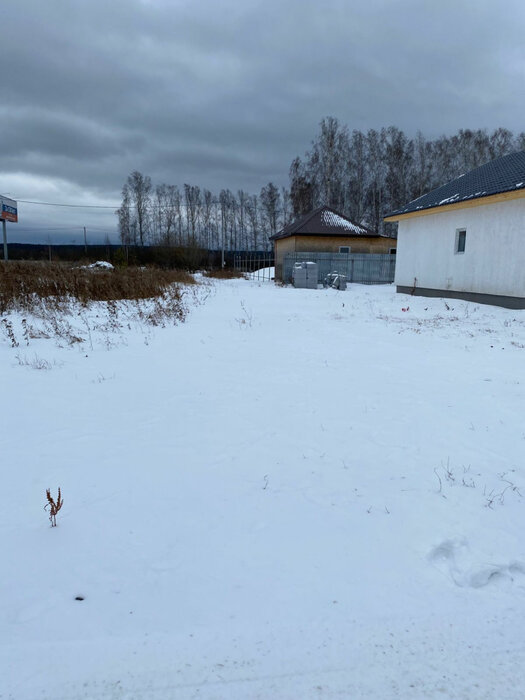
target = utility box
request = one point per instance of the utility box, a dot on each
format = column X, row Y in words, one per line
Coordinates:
column 304, row 275
column 335, row 280
column 340, row 282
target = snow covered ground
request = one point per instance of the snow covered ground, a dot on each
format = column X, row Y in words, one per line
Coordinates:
column 294, row 494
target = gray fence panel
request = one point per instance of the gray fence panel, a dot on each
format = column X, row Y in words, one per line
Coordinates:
column 363, row 268
column 259, row 265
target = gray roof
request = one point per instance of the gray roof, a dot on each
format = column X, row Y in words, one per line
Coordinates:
column 324, row 221
column 505, row 174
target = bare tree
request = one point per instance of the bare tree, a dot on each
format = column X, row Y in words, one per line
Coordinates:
column 286, row 206
column 326, row 162
column 139, row 191
column 124, row 217
column 301, row 189
column 357, row 178
column 500, row 143
column 375, row 143
column 252, row 212
column 241, row 211
column 207, row 219
column 422, row 166
column 165, row 214
column 398, row 154
column 192, row 200
column 271, row 207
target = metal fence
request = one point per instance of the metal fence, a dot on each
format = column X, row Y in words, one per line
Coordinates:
column 363, row 268
column 259, row 266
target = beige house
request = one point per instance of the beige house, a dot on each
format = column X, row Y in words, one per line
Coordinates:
column 326, row 231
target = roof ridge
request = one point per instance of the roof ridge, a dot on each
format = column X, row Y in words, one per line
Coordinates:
column 325, row 220
column 344, row 216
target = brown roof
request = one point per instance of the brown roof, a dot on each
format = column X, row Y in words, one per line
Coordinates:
column 324, row 221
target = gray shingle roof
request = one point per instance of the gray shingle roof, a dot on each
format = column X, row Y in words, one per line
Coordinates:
column 323, row 221
column 505, row 174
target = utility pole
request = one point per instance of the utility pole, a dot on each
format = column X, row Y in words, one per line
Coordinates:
column 85, row 241
column 4, row 229
column 223, row 263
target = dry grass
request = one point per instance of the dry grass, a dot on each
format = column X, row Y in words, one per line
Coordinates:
column 224, row 274
column 74, row 305
column 24, row 285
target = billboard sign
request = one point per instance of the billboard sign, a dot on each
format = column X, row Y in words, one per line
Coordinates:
column 8, row 209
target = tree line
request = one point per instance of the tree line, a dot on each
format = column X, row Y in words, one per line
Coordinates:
column 364, row 175
column 368, row 175
column 169, row 216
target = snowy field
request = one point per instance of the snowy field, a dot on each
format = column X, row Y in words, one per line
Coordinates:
column 294, row 494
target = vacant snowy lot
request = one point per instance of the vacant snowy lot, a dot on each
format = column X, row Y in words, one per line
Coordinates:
column 294, row 494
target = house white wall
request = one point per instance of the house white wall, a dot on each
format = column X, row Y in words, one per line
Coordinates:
column 494, row 257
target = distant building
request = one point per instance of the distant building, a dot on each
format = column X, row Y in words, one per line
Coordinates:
column 324, row 230
column 466, row 239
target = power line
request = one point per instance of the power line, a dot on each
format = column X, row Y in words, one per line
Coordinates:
column 61, row 228
column 48, row 228
column 74, row 206
column 95, row 206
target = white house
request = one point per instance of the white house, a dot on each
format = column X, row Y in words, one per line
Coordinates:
column 466, row 239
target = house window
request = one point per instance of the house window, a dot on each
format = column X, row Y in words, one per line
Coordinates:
column 392, row 251
column 344, row 249
column 461, row 238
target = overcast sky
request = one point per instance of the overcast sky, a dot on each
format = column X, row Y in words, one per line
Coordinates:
column 225, row 94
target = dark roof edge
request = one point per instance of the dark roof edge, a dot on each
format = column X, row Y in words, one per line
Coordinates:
column 499, row 176
column 368, row 234
column 443, row 205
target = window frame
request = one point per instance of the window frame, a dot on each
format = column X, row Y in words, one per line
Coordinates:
column 461, row 238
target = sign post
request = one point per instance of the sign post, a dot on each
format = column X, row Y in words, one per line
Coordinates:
column 4, row 230
column 8, row 212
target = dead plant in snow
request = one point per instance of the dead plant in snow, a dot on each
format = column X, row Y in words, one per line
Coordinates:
column 9, row 332
column 54, row 506
column 35, row 362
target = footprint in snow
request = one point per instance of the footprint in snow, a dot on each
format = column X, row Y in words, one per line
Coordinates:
column 454, row 559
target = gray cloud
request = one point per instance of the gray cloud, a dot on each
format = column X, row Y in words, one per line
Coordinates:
column 225, row 94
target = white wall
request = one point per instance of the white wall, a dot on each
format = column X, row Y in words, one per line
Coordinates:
column 494, row 257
